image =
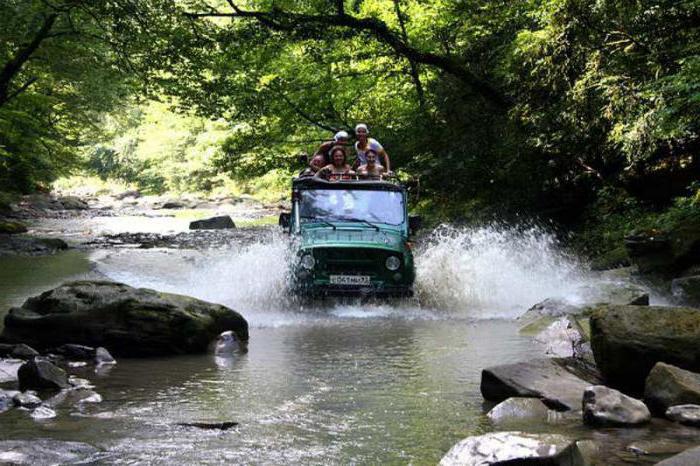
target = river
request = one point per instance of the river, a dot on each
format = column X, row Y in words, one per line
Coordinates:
column 326, row 383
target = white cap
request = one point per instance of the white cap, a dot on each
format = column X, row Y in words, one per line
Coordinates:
column 341, row 135
column 362, row 126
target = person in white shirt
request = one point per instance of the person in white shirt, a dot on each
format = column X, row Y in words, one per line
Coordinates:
column 364, row 143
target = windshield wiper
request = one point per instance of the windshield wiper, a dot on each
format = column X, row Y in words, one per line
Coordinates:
column 358, row 220
column 316, row 220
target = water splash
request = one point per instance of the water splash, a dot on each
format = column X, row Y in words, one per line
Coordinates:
column 495, row 270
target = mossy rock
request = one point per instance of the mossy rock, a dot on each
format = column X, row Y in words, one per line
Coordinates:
column 612, row 259
column 12, row 227
column 129, row 322
column 627, row 341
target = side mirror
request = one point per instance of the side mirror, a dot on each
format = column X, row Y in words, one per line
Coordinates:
column 415, row 222
column 285, row 220
column 303, row 158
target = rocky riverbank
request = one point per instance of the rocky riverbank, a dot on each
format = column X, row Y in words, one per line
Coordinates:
column 53, row 340
column 626, row 366
column 46, row 223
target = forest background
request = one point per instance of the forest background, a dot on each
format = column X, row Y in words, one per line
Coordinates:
column 580, row 112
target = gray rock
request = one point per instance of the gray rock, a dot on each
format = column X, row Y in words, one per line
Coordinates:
column 129, row 321
column 561, row 337
column 665, row 252
column 542, row 314
column 75, row 352
column 43, row 412
column 23, row 351
column 44, row 452
column 685, row 414
column 102, row 356
column 689, row 457
column 668, row 385
column 78, row 382
column 557, row 382
column 72, row 203
column 39, row 374
column 27, row 399
column 518, row 410
column 687, row 289
column 130, row 193
column 29, row 245
column 628, row 340
column 627, row 293
column 603, row 406
column 8, row 369
column 214, row 223
column 172, row 204
column 513, row 448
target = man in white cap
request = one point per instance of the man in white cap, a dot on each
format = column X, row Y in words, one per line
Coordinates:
column 365, row 143
column 340, row 139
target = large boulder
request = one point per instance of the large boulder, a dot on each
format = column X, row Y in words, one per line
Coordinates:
column 558, row 382
column 213, row 223
column 668, row 251
column 513, row 448
column 603, row 406
column 628, row 340
column 130, row 322
column 689, row 457
column 687, row 289
column 39, row 374
column 668, row 385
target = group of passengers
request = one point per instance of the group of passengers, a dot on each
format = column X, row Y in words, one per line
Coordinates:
column 330, row 161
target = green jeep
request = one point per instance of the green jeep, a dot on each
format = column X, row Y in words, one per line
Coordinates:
column 351, row 238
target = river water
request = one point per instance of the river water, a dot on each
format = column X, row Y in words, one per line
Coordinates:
column 324, row 383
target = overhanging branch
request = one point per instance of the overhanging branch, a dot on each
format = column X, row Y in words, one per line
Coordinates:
column 317, row 25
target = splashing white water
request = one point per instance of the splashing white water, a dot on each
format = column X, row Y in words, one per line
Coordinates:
column 482, row 272
column 494, row 271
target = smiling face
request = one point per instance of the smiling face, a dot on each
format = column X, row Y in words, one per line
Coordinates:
column 371, row 157
column 361, row 134
column 317, row 162
column 338, row 157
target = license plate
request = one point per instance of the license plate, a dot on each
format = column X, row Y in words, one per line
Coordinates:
column 349, row 280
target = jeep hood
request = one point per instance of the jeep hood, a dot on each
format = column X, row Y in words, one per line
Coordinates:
column 353, row 236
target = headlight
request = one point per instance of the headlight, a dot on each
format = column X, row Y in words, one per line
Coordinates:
column 308, row 262
column 392, row 263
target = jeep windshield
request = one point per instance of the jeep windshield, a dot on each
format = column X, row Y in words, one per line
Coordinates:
column 324, row 205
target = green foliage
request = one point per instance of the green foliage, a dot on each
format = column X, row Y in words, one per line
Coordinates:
column 57, row 74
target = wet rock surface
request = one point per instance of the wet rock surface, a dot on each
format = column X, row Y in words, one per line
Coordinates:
column 44, row 452
column 685, row 414
column 603, row 406
column 519, row 410
column 628, row 340
column 687, row 289
column 214, row 223
column 513, row 448
column 39, row 374
column 27, row 399
column 689, row 457
column 557, row 382
column 668, row 385
column 129, row 321
column 29, row 245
